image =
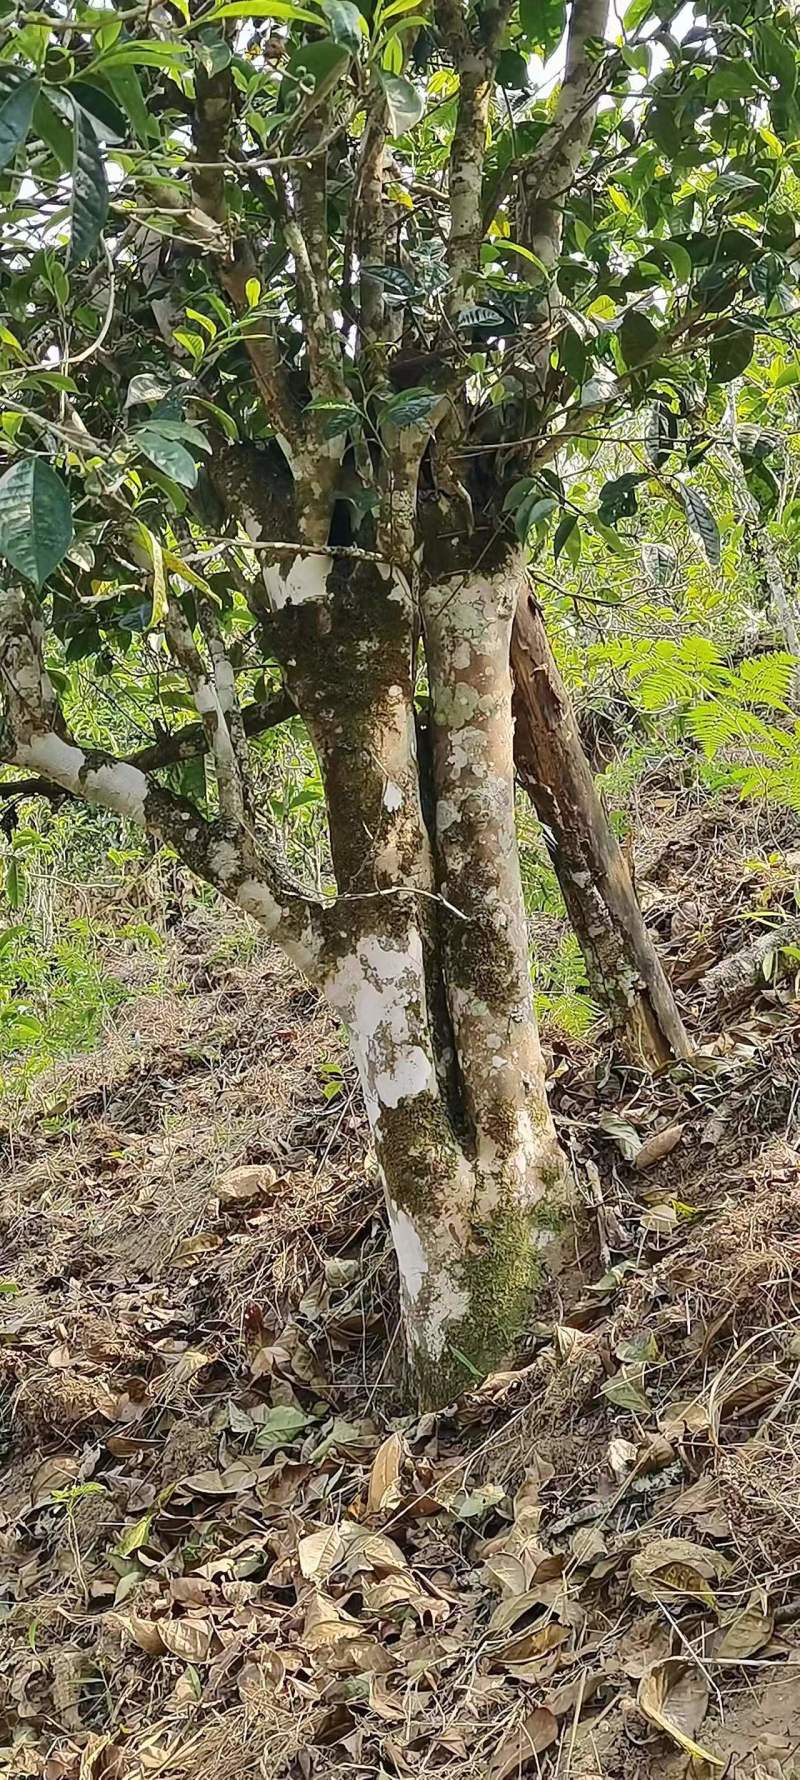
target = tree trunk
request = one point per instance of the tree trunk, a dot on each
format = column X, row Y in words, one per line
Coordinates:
column 624, row 971
column 427, row 959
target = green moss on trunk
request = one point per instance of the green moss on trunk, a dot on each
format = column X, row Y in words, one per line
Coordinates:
column 503, row 1277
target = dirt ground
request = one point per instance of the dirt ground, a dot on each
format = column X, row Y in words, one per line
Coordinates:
column 224, row 1548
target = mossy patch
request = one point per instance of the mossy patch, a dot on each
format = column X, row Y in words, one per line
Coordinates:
column 502, row 1279
column 417, row 1152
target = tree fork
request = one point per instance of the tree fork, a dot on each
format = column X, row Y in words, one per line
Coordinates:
column 624, row 970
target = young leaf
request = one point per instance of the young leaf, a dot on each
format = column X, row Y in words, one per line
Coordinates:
column 262, row 9
column 16, row 111
column 404, row 104
column 89, row 203
column 35, row 518
column 702, row 521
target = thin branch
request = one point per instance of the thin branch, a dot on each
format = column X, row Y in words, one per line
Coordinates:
column 213, row 717
column 225, row 853
column 211, row 125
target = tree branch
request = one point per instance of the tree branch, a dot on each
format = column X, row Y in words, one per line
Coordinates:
column 549, row 173
column 223, row 852
column 212, row 119
column 205, row 693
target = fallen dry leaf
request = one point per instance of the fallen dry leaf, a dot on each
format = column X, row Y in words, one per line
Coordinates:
column 744, row 1633
column 674, row 1695
column 655, row 1148
column 668, row 1569
column 523, row 1744
column 246, row 1183
column 189, row 1638
column 319, row 1553
column 385, row 1472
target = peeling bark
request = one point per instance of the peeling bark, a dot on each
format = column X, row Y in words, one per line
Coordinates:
column 625, row 973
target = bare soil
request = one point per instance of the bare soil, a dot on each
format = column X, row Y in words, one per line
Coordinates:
column 224, row 1548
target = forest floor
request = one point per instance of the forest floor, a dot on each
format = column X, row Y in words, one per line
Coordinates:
column 224, row 1548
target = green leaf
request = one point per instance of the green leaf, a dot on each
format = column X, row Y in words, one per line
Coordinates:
column 777, row 57
column 16, row 112
column 89, row 202
column 730, row 354
column 35, row 518
column 167, row 455
column 637, row 336
column 635, row 15
column 398, row 285
column 146, row 387
column 679, row 259
column 262, row 9
column 788, row 376
column 346, row 23
column 335, row 418
column 53, row 129
column 542, row 23
column 411, row 407
column 702, row 521
column 314, row 67
column 14, row 882
column 283, row 1425
column 107, row 120
column 404, row 103
column 127, row 89
column 141, row 55
column 564, row 531
column 660, row 434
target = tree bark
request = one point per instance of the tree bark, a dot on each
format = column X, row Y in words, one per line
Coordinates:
column 624, row 971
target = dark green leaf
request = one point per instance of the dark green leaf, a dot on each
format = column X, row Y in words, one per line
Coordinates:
column 404, row 103
column 482, row 315
column 108, row 121
column 313, row 67
column 702, row 521
column 54, row 130
column 16, row 111
column 89, row 203
column 542, row 23
column 776, row 56
column 662, row 430
column 532, row 512
column 397, row 283
column 512, row 71
column 564, row 531
column 35, row 518
column 730, row 354
column 167, row 455
column 638, row 338
column 410, row 408
column 335, row 418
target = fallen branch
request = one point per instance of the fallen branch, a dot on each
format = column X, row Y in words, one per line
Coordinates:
column 731, row 979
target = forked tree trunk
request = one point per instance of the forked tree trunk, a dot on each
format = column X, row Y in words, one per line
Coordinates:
column 427, row 962
column 623, row 968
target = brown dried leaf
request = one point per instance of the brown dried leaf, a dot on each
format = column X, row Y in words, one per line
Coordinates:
column 319, row 1553
column 385, row 1473
column 674, row 1695
column 325, row 1625
column 744, row 1633
column 246, row 1183
column 523, row 1744
column 670, row 1568
column 144, row 1632
column 192, row 1248
column 188, row 1638
column 655, row 1148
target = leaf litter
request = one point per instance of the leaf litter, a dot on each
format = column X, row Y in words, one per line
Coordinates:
column 226, row 1550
